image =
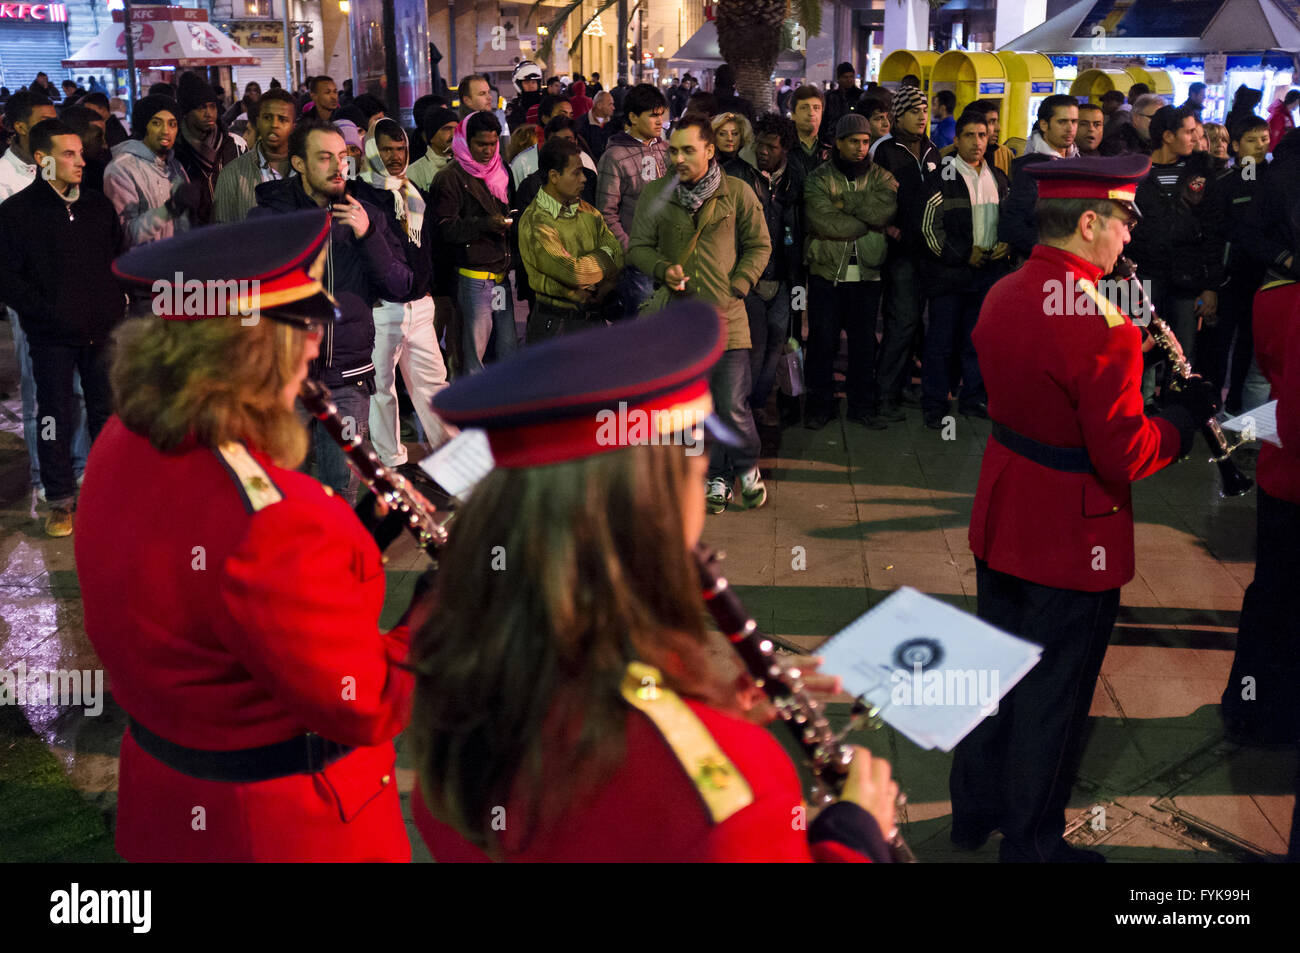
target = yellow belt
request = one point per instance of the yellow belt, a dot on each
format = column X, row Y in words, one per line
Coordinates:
column 482, row 275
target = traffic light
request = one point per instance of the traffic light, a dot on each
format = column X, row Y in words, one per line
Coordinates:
column 304, row 38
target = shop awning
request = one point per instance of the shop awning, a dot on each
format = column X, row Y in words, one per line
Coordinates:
column 162, row 36
column 1158, row 27
column 701, row 52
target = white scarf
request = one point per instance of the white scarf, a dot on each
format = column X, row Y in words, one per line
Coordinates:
column 406, row 197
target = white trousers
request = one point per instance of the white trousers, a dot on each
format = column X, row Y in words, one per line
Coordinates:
column 405, row 338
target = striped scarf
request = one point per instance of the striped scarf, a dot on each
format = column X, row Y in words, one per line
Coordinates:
column 407, row 201
column 691, row 197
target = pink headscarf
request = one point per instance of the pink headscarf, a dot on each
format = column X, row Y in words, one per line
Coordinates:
column 493, row 174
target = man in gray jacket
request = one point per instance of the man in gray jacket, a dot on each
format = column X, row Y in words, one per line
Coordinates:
column 632, row 159
column 153, row 196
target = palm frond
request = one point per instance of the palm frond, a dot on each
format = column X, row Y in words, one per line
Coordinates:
column 809, row 15
column 557, row 22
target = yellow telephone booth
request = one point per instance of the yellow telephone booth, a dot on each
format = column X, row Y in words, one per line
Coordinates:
column 900, row 63
column 970, row 76
column 1092, row 83
column 1157, row 79
column 1031, row 78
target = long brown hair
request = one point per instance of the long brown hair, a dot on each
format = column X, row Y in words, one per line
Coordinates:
column 216, row 379
column 555, row 578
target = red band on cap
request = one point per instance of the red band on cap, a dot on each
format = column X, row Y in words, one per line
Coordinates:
column 1085, row 189
column 557, row 441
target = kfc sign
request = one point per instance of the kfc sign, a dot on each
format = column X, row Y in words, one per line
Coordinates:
column 51, row 12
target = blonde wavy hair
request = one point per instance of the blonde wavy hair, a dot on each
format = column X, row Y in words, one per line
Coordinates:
column 742, row 124
column 217, row 380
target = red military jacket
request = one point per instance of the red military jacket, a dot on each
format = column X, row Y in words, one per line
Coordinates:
column 695, row 785
column 235, row 604
column 1277, row 348
column 1069, row 380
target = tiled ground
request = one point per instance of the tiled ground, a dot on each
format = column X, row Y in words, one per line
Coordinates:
column 872, row 511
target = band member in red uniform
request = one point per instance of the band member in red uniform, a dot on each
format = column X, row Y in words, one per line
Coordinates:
column 233, row 600
column 1052, row 523
column 1260, row 702
column 569, row 704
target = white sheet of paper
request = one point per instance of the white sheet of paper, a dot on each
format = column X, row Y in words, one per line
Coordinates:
column 967, row 666
column 1257, row 424
column 460, row 462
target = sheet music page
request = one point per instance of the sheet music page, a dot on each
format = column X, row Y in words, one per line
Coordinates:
column 1257, row 424
column 460, row 462
column 936, row 671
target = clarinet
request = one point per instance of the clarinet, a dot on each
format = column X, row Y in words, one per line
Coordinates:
column 1232, row 482
column 388, row 485
column 827, row 756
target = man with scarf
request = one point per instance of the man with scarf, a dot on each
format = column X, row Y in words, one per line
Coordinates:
column 1052, row 138
column 701, row 234
column 909, row 156
column 203, row 147
column 849, row 202
column 469, row 211
column 404, row 332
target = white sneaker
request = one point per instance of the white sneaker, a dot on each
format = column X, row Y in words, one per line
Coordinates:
column 719, row 495
column 752, row 490
column 40, row 494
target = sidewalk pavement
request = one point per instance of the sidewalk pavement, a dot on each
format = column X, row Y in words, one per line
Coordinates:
column 851, row 516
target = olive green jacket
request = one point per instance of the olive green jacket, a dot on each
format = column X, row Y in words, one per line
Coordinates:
column 726, row 260
column 837, row 214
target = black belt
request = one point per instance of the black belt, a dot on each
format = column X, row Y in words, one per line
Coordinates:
column 305, row 754
column 1065, row 459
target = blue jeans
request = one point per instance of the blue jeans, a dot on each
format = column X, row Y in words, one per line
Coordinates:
column 27, row 389
column 769, row 326
column 480, row 322
column 952, row 319
column 54, row 367
column 730, row 385
column 635, row 288
column 326, row 460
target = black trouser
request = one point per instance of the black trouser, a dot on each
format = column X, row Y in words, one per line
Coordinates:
column 547, row 321
column 1268, row 637
column 1015, row 770
column 53, row 366
column 1213, row 344
column 903, row 307
column 850, row 305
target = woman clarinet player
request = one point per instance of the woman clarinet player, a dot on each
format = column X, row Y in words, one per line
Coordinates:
column 234, row 601
column 570, row 704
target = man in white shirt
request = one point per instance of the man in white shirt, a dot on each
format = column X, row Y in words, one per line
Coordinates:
column 959, row 224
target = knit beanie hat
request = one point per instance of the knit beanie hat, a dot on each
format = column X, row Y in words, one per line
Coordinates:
column 351, row 134
column 436, row 118
column 146, row 108
column 905, row 97
column 852, row 124
column 193, row 91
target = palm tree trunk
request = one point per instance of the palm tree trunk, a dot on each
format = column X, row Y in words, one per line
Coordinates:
column 749, row 38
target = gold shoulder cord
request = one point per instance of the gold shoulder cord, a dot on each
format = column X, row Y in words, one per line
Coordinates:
column 253, row 480
column 721, row 786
